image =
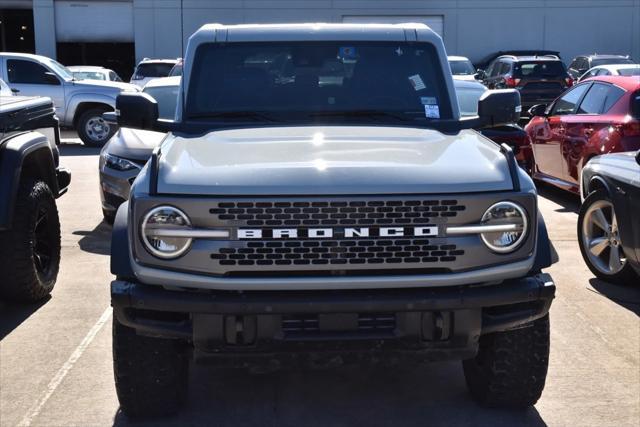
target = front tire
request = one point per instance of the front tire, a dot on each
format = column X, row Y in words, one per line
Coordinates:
column 151, row 374
column 30, row 250
column 599, row 240
column 510, row 368
column 92, row 129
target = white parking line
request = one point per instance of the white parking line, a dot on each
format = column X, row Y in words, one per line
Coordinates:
column 34, row 411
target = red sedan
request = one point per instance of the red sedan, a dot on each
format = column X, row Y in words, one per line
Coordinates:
column 598, row 116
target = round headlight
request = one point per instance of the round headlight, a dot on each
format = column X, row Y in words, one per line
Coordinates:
column 161, row 229
column 511, row 227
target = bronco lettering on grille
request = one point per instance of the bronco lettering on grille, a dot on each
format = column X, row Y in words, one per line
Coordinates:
column 329, row 233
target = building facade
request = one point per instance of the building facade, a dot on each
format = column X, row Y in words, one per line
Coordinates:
column 125, row 31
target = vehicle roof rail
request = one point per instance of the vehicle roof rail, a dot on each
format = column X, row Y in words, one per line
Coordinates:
column 508, row 56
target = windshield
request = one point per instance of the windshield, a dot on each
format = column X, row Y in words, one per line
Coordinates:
column 462, row 68
column 59, row 69
column 629, row 71
column 468, row 100
column 176, row 70
column 289, row 80
column 167, row 98
column 539, row 69
column 88, row 75
column 153, row 69
column 607, row 61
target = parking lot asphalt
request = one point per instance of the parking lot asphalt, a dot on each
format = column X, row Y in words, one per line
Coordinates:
column 55, row 357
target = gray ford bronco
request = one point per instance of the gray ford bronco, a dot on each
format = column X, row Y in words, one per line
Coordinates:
column 318, row 198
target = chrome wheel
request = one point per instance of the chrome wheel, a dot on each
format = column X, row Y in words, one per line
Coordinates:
column 601, row 239
column 97, row 128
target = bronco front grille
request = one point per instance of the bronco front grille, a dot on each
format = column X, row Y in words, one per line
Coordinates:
column 337, row 252
column 332, row 213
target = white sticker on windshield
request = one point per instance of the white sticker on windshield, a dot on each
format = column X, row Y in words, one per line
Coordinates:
column 428, row 100
column 416, row 82
column 432, row 111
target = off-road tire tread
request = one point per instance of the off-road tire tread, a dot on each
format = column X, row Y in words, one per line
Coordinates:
column 511, row 367
column 20, row 280
column 151, row 374
column 625, row 276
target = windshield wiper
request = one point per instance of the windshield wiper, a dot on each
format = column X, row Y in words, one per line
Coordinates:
column 256, row 115
column 360, row 113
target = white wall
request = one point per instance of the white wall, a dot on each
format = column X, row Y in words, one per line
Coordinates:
column 471, row 27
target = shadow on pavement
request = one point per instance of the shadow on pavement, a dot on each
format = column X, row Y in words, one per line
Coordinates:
column 13, row 314
column 570, row 202
column 96, row 241
column 627, row 296
column 78, row 150
column 432, row 394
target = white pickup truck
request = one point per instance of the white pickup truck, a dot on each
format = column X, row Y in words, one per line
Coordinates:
column 79, row 103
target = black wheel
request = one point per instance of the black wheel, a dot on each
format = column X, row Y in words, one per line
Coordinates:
column 599, row 240
column 108, row 216
column 151, row 374
column 30, row 250
column 92, row 129
column 510, row 368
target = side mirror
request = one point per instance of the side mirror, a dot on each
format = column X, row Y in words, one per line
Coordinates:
column 638, row 157
column 110, row 117
column 137, row 110
column 499, row 107
column 51, row 79
column 538, row 110
column 480, row 74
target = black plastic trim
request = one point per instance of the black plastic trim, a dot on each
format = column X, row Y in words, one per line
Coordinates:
column 507, row 151
column 120, row 258
column 546, row 254
column 154, row 170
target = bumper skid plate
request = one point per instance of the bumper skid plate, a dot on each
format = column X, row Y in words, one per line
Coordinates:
column 434, row 323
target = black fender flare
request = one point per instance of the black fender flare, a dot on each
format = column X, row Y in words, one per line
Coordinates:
column 546, row 254
column 120, row 248
column 14, row 153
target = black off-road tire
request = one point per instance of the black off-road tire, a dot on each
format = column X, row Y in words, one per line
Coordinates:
column 109, row 216
column 151, row 374
column 30, row 250
column 510, row 368
column 81, row 127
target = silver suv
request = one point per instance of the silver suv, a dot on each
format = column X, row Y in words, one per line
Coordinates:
column 79, row 104
column 318, row 198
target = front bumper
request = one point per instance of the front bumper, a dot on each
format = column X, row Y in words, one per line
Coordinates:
column 437, row 323
column 115, row 186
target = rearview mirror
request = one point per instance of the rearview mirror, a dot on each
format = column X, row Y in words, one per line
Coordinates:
column 137, row 110
column 538, row 110
column 499, row 107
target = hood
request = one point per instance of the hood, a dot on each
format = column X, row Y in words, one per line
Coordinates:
column 331, row 161
column 134, row 144
column 116, row 86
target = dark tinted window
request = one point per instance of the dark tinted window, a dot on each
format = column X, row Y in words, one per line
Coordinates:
column 494, row 69
column 600, row 99
column 462, row 68
column 26, row 72
column 505, row 68
column 302, row 78
column 539, row 69
column 567, row 104
column 635, row 105
column 606, row 61
column 153, row 69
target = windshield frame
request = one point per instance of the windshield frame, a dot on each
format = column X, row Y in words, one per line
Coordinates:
column 283, row 117
column 59, row 69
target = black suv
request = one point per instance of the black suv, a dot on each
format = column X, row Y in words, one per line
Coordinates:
column 583, row 63
column 539, row 79
column 30, row 180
